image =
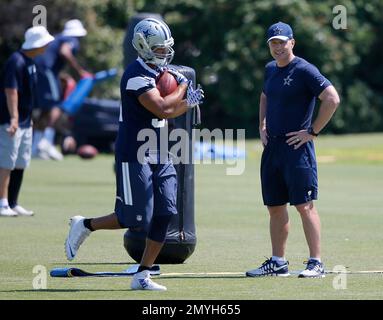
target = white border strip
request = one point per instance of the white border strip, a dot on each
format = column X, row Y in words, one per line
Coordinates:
column 128, row 200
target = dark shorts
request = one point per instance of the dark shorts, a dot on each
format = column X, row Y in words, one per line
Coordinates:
column 288, row 175
column 49, row 90
column 144, row 190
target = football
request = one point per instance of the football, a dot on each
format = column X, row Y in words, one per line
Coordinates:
column 87, row 151
column 166, row 83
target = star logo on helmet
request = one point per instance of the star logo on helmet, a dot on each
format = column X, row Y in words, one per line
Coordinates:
column 277, row 31
column 148, row 33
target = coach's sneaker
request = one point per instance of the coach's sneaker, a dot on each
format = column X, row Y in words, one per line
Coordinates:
column 22, row 211
column 7, row 212
column 142, row 281
column 77, row 234
column 270, row 268
column 314, row 269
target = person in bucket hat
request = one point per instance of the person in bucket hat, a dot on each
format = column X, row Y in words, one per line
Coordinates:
column 59, row 53
column 17, row 98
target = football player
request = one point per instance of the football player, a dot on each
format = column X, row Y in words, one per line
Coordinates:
column 146, row 179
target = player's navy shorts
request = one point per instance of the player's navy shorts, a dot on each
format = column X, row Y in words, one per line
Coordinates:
column 288, row 175
column 48, row 88
column 144, row 190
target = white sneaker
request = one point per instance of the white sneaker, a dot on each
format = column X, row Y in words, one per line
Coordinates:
column 7, row 212
column 77, row 234
column 41, row 154
column 314, row 269
column 22, row 211
column 142, row 281
column 45, row 147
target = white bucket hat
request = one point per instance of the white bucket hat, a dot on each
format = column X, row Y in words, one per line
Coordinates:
column 36, row 37
column 74, row 28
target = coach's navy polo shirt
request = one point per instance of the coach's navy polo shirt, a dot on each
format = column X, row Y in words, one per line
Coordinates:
column 291, row 93
column 18, row 73
column 51, row 58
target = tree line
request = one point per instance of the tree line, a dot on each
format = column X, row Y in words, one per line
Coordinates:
column 225, row 42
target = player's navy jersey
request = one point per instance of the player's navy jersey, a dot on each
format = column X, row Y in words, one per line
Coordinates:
column 51, row 58
column 137, row 79
column 291, row 93
column 18, row 73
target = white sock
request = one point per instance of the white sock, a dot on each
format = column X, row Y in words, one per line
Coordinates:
column 279, row 260
column 49, row 134
column 316, row 259
column 4, row 202
column 37, row 136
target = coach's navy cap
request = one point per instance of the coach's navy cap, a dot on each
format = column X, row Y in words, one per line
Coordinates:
column 280, row 31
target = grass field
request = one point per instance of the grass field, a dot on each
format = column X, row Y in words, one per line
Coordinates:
column 231, row 223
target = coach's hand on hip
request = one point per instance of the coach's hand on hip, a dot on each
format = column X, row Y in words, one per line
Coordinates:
column 298, row 138
column 13, row 126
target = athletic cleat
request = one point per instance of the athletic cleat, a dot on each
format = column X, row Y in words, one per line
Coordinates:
column 45, row 148
column 22, row 211
column 42, row 155
column 142, row 281
column 270, row 268
column 77, row 234
column 314, row 269
column 7, row 212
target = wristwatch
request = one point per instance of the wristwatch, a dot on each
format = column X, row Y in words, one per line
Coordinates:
column 311, row 131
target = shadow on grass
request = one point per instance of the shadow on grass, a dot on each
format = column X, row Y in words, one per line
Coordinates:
column 62, row 290
column 93, row 263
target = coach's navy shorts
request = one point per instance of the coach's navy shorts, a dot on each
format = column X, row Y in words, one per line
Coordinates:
column 288, row 175
column 144, row 190
column 48, row 88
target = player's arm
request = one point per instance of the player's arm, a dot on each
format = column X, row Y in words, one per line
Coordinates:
column 329, row 103
column 262, row 118
column 66, row 52
column 171, row 106
column 12, row 102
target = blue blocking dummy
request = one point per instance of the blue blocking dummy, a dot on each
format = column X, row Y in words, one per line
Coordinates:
column 74, row 101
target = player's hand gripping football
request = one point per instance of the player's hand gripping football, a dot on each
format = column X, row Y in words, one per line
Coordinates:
column 180, row 78
column 194, row 97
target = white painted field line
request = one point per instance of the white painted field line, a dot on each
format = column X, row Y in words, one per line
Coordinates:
column 356, row 272
column 180, row 274
column 202, row 273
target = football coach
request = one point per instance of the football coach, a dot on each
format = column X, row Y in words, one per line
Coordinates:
column 287, row 130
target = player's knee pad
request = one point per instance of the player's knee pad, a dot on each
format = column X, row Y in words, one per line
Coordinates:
column 159, row 227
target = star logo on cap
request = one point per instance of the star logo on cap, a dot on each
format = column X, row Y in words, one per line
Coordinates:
column 277, row 31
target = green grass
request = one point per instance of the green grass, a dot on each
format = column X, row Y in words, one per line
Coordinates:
column 231, row 224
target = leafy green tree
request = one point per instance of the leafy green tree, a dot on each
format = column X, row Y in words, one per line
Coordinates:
column 224, row 41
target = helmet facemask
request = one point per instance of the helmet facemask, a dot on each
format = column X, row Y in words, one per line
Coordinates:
column 162, row 59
